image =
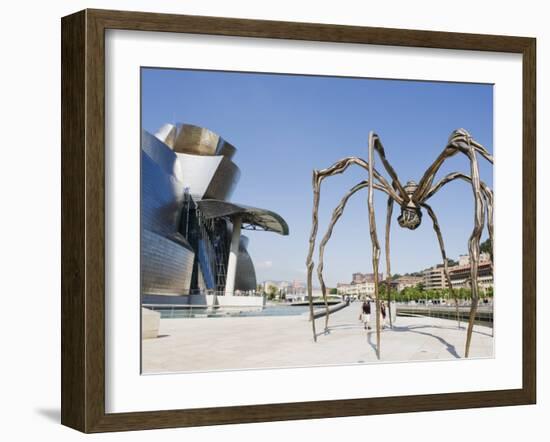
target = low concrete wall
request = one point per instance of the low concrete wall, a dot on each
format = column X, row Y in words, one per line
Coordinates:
column 484, row 314
column 150, row 323
column 320, row 312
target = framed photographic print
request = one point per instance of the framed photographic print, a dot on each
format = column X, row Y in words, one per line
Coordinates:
column 270, row 220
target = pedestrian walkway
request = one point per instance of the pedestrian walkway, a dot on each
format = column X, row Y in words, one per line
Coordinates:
column 286, row 341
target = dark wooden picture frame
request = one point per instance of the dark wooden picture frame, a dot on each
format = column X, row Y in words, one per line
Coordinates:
column 83, row 220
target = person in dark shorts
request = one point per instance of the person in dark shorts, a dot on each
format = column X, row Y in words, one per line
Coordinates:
column 365, row 314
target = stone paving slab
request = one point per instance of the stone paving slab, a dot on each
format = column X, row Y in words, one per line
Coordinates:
column 229, row 343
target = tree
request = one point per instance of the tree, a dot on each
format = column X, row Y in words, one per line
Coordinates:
column 272, row 292
column 333, row 291
column 486, row 247
column 420, row 286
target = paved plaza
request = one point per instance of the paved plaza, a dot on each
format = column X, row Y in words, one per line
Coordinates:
column 227, row 343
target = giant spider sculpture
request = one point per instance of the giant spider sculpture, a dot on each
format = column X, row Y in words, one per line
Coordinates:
column 412, row 199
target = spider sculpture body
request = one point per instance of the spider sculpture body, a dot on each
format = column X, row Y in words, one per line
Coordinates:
column 412, row 199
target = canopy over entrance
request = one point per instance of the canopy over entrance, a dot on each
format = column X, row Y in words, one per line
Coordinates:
column 252, row 218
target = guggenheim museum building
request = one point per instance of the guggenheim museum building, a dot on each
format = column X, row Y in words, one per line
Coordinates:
column 191, row 241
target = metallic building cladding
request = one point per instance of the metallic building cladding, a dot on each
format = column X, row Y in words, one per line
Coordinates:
column 184, row 249
column 166, row 265
column 245, row 279
column 226, row 149
column 167, row 134
column 208, row 176
column 160, row 200
column 225, row 180
column 260, row 218
column 166, row 257
column 197, row 140
column 161, row 154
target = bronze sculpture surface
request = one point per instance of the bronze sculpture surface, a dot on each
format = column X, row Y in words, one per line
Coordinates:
column 412, row 199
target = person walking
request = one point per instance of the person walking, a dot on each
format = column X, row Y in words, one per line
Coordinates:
column 383, row 313
column 365, row 314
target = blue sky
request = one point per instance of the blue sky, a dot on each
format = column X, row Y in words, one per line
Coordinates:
column 284, row 126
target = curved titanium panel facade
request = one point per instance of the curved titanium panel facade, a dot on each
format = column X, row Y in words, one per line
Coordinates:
column 166, row 264
column 161, row 186
column 187, row 176
column 161, row 154
column 167, row 134
column 166, row 257
column 225, row 180
column 209, row 176
column 197, row 140
column 245, row 279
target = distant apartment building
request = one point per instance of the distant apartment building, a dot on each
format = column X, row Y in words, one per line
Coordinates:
column 358, row 278
column 434, row 277
column 464, row 260
column 460, row 274
column 358, row 290
column 406, row 281
column 362, row 284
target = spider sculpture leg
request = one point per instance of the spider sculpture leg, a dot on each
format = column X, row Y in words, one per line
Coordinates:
column 388, row 268
column 396, row 192
column 443, row 256
column 374, row 241
column 336, row 215
column 309, row 262
column 473, row 249
column 486, row 203
column 461, row 141
column 318, row 176
column 396, row 184
column 487, row 196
